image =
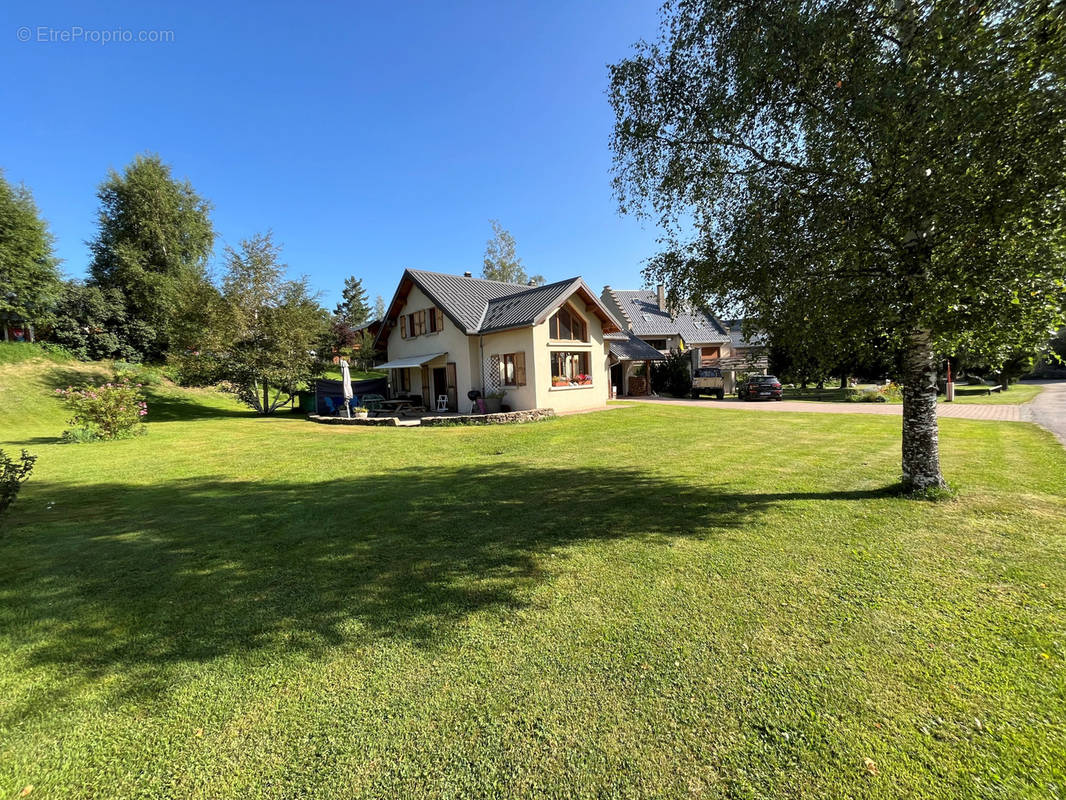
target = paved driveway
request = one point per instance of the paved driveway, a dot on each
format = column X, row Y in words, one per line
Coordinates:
column 1048, row 408
column 1007, row 413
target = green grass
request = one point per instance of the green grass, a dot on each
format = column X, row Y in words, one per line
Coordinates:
column 1017, row 393
column 625, row 604
column 333, row 372
column 20, row 352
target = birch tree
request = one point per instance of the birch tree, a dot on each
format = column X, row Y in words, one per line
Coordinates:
column 895, row 169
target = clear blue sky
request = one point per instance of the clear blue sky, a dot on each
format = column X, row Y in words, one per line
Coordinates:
column 369, row 136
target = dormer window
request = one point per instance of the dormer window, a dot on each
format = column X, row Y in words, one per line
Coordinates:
column 568, row 326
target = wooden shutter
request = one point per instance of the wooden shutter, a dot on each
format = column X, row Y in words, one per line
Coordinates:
column 440, row 318
column 520, row 369
column 425, row 388
column 422, row 321
column 403, row 326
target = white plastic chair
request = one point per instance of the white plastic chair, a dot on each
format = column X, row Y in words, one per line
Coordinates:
column 442, row 402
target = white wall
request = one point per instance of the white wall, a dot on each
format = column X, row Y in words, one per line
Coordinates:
column 574, row 398
column 451, row 341
column 469, row 353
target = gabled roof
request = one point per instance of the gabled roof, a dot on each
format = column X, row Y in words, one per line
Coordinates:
column 736, row 335
column 477, row 305
column 641, row 309
column 461, row 298
column 626, row 347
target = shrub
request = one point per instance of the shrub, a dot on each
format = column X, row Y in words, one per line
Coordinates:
column 12, row 475
column 111, row 411
column 141, row 374
column 672, row 376
column 854, row 394
column 891, row 392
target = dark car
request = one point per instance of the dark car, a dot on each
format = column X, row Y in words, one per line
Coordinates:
column 760, row 387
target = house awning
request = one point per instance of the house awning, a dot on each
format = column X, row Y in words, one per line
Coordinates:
column 410, row 361
column 626, row 347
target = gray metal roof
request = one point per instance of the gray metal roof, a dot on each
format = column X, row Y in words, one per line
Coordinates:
column 463, row 299
column 627, row 347
column 647, row 319
column 736, row 335
column 482, row 306
column 523, row 308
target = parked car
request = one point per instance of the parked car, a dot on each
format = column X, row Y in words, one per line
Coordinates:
column 760, row 387
column 708, row 380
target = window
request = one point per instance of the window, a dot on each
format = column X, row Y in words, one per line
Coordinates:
column 512, row 369
column 570, row 369
column 405, row 380
column 568, row 325
column 709, row 354
column 658, row 344
column 436, row 320
column 418, row 323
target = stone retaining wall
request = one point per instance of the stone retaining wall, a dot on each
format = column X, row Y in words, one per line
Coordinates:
column 502, row 418
column 387, row 422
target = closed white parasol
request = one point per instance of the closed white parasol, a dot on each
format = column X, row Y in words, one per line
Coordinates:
column 346, row 387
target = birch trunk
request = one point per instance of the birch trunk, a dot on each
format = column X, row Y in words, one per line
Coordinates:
column 921, row 446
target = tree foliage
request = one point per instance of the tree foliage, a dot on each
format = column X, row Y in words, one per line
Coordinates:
column 893, row 169
column 353, row 307
column 153, row 243
column 29, row 274
column 264, row 333
column 501, row 261
column 673, row 375
column 92, row 323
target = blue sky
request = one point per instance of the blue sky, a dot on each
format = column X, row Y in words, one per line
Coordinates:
column 369, row 136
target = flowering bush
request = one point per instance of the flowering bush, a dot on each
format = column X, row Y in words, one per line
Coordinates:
column 111, row 411
column 12, row 475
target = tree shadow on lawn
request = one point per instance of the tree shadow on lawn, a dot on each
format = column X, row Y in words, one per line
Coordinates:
column 165, row 404
column 121, row 582
column 170, row 407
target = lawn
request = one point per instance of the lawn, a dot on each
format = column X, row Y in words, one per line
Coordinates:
column 1017, row 393
column 614, row 605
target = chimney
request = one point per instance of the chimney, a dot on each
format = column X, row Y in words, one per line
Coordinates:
column 662, row 297
column 467, row 275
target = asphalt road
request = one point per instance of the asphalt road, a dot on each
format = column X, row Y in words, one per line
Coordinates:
column 1048, row 408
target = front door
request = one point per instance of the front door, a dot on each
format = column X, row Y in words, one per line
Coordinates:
column 440, row 383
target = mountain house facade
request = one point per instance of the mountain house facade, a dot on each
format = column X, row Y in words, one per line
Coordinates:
column 540, row 346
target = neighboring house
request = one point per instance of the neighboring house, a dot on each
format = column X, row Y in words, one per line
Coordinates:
column 15, row 328
column 373, row 327
column 745, row 355
column 710, row 342
column 631, row 360
column 543, row 346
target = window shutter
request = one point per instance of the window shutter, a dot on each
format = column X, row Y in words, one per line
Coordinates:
column 520, row 368
column 403, row 326
column 422, row 321
column 440, row 318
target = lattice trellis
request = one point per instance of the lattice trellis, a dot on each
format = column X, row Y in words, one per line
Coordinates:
column 493, row 379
